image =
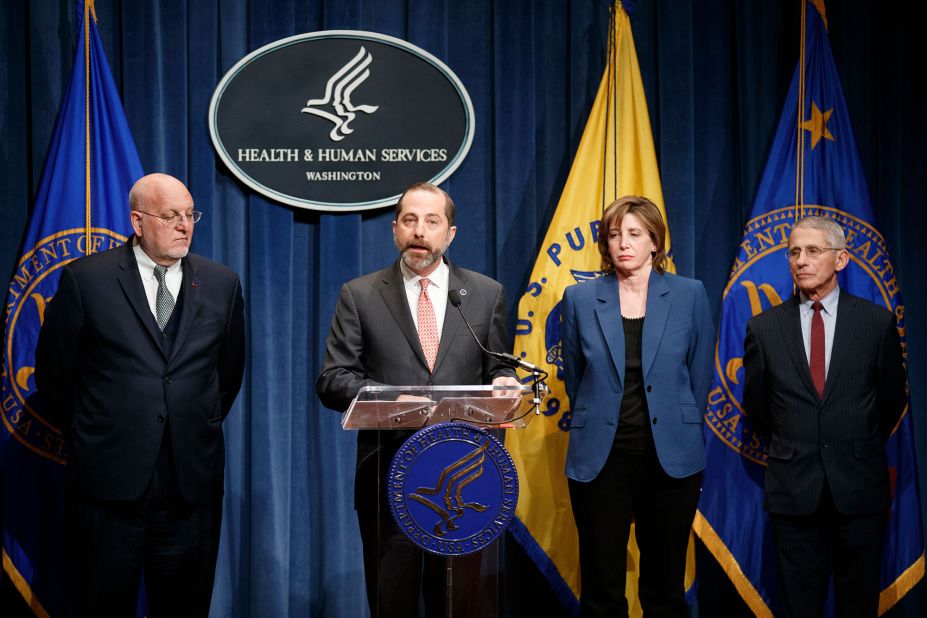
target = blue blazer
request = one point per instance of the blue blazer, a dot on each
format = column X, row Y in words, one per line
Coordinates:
column 677, row 347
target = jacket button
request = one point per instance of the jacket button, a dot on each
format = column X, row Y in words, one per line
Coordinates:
column 825, row 444
column 161, row 418
column 649, row 388
column 169, row 380
column 654, row 421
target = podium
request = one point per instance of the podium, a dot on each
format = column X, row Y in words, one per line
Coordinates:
column 433, row 472
column 415, row 407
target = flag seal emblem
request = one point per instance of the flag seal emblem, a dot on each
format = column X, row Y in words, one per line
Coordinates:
column 452, row 489
column 756, row 284
column 33, row 284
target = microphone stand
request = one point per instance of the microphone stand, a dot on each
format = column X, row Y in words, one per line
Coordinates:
column 537, row 374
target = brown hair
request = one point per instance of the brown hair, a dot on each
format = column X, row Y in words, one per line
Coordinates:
column 650, row 217
column 450, row 211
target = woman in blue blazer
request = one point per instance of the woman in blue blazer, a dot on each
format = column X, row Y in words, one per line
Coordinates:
column 637, row 354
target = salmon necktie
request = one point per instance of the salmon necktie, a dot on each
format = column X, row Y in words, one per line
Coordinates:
column 427, row 326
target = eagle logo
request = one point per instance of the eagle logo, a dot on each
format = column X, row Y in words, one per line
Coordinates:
column 449, row 504
column 452, row 488
column 336, row 106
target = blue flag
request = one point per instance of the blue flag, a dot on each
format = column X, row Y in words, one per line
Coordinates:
column 813, row 169
column 81, row 208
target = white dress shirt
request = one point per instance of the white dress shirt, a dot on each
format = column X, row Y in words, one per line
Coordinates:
column 173, row 278
column 437, row 291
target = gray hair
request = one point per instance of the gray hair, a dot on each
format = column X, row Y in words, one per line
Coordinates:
column 831, row 229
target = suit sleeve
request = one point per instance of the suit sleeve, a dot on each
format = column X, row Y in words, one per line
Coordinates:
column 231, row 363
column 701, row 347
column 498, row 339
column 892, row 394
column 57, row 350
column 343, row 372
column 756, row 395
column 574, row 365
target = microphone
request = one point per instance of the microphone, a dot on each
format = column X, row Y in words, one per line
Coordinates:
column 504, row 357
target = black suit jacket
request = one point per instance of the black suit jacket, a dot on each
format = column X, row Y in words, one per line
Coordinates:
column 373, row 341
column 841, row 437
column 102, row 376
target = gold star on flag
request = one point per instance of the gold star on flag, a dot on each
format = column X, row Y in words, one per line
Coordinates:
column 817, row 125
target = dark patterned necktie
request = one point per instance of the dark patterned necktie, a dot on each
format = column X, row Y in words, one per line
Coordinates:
column 164, row 302
column 817, row 349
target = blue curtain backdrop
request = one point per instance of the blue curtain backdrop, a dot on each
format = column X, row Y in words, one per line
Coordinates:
column 716, row 74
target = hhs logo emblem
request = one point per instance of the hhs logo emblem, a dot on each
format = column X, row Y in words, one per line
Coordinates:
column 338, row 96
column 452, row 489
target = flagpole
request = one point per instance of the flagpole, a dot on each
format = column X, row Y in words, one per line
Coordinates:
column 88, row 5
column 799, row 141
column 609, row 97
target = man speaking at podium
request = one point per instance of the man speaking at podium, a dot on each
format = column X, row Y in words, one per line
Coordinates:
column 394, row 327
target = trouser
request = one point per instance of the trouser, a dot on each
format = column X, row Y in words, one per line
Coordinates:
column 634, row 487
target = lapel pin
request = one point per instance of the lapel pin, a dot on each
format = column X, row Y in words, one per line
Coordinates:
column 195, row 283
column 463, row 292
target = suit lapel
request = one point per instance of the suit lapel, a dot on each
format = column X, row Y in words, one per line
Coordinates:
column 843, row 339
column 659, row 302
column 790, row 324
column 452, row 320
column 131, row 283
column 392, row 291
column 191, row 305
column 608, row 313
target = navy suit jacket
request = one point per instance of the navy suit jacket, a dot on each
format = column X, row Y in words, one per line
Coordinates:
column 102, row 376
column 678, row 342
column 841, row 437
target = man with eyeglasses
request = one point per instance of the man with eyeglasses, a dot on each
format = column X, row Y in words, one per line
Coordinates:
column 139, row 360
column 825, row 383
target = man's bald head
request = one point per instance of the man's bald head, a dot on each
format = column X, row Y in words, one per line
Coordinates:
column 155, row 202
column 154, row 188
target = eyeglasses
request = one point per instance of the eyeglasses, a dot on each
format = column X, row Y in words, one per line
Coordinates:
column 194, row 217
column 813, row 253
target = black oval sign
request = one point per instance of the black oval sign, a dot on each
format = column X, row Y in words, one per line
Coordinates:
column 340, row 120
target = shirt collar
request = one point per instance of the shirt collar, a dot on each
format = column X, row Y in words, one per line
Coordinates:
column 439, row 278
column 146, row 264
column 828, row 303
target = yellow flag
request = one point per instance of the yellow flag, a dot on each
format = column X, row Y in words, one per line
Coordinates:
column 615, row 158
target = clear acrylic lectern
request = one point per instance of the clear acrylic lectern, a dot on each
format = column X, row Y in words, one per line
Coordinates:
column 466, row 581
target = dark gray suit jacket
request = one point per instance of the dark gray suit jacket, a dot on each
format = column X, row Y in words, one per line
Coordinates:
column 373, row 341
column 103, row 377
column 841, row 437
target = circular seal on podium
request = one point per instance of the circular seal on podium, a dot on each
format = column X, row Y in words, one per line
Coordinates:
column 452, row 488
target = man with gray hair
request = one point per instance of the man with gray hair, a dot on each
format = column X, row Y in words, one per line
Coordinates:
column 825, row 383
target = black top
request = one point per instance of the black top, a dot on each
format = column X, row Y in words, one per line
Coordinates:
column 633, row 433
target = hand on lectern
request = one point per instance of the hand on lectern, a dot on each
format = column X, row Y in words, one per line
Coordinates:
column 406, row 397
column 508, row 381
